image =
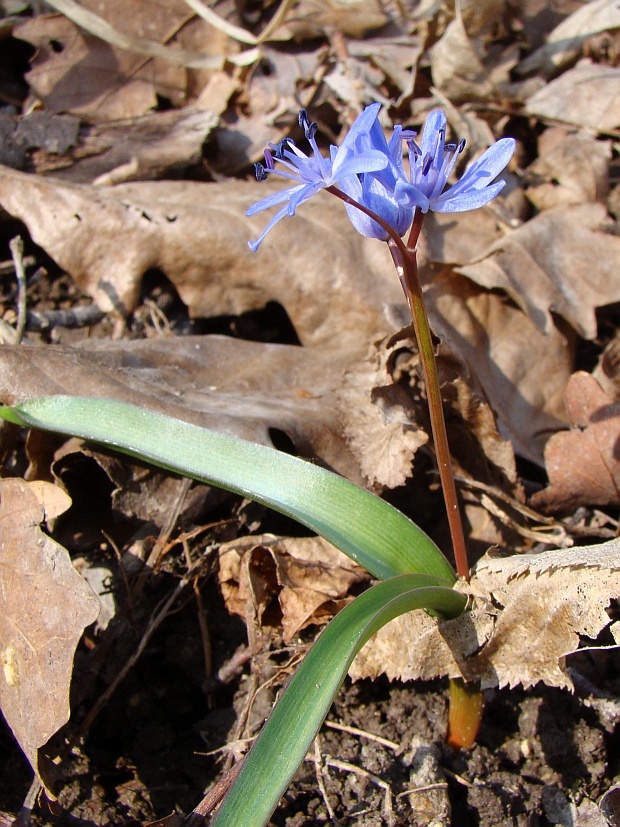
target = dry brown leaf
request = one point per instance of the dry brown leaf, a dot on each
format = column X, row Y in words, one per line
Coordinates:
column 529, row 613
column 315, row 265
column 457, row 68
column 587, row 95
column 574, row 170
column 522, row 371
column 383, row 436
column 313, row 18
column 44, row 608
column 307, row 578
column 77, row 73
column 139, row 148
column 564, row 43
column 558, row 262
column 230, row 385
column 583, row 464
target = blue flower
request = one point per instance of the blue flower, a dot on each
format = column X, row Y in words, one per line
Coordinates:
column 375, row 190
column 431, row 163
column 315, row 172
column 371, row 171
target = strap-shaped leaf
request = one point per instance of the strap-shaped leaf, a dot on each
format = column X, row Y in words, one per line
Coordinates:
column 370, row 531
column 298, row 715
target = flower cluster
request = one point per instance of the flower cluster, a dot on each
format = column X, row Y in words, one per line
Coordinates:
column 371, row 171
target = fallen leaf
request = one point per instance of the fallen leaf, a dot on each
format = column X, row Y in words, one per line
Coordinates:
column 587, row 95
column 77, row 73
column 575, row 170
column 107, row 238
column 307, row 578
column 384, row 436
column 522, row 371
column 565, row 42
column 583, row 464
column 247, row 388
column 529, row 613
column 312, row 18
column 138, row 148
column 44, row 609
column 457, row 67
column 548, row 265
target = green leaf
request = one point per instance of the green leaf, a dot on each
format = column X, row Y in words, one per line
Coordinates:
column 367, row 529
column 298, row 715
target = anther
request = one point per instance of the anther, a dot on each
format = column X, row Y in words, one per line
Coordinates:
column 260, row 172
column 309, row 127
column 282, row 146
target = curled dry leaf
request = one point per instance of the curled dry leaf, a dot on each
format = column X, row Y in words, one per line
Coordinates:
column 587, row 95
column 384, row 436
column 306, row 578
column 529, row 613
column 583, row 464
column 44, row 608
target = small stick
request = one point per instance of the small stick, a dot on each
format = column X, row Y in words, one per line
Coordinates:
column 362, row 734
column 319, row 768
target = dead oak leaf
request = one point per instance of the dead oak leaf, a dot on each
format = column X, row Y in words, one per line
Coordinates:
column 108, row 237
column 44, row 607
column 547, row 265
column 530, row 611
column 295, row 581
column 587, row 95
column 583, row 464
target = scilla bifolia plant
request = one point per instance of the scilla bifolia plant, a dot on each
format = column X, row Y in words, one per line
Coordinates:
column 383, row 201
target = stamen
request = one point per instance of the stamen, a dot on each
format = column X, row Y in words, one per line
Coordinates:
column 428, row 162
column 461, row 146
column 303, row 119
column 413, row 148
column 260, row 172
column 284, row 144
column 308, row 126
column 269, row 164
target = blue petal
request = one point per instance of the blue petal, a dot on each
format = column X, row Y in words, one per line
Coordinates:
column 469, row 200
column 479, row 174
column 408, row 195
column 435, row 121
column 362, row 125
column 347, row 164
column 254, row 245
column 274, row 199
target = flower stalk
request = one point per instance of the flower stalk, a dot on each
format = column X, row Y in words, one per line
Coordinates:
column 406, row 263
column 407, row 269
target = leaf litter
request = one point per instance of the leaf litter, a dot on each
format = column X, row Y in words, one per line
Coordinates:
column 521, row 294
